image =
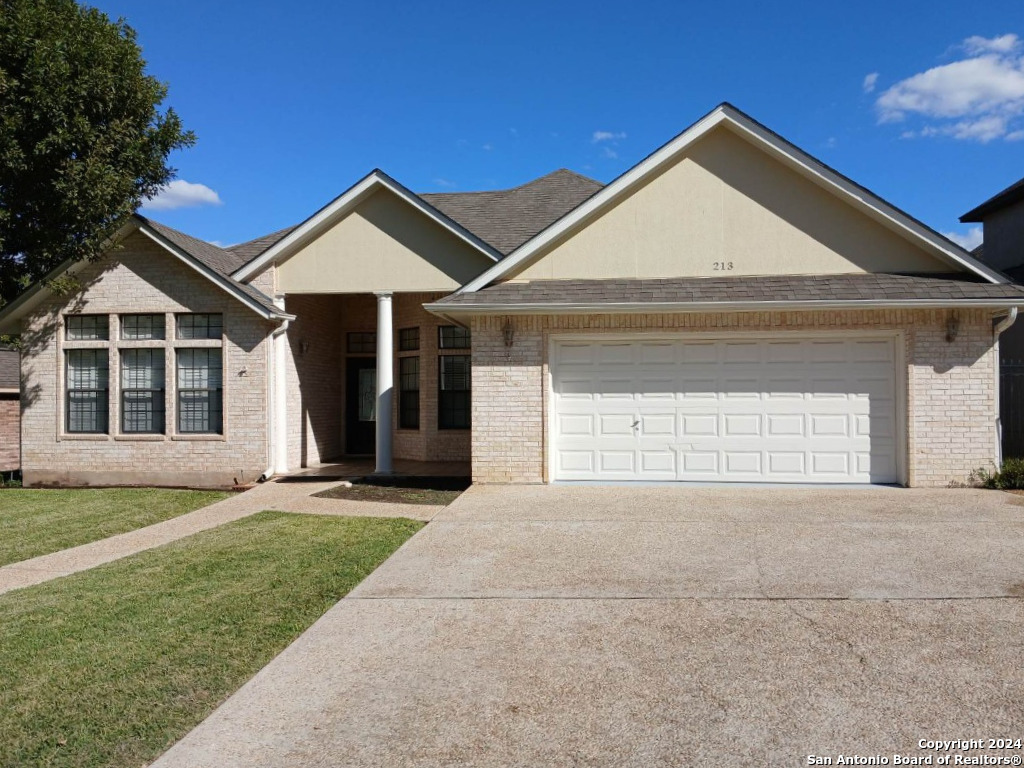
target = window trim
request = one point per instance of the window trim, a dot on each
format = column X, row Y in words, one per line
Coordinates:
column 404, row 392
column 460, row 331
column 215, row 433
column 179, row 316
column 103, row 401
column 159, row 424
column 441, row 391
column 121, row 318
column 415, row 343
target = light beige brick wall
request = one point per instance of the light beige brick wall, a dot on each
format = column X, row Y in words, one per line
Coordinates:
column 143, row 278
column 266, row 281
column 428, row 443
column 950, row 397
column 315, row 381
column 10, row 426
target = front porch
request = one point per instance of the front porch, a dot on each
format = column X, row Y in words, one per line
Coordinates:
column 347, row 469
column 372, row 382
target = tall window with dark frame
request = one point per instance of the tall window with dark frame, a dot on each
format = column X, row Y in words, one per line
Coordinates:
column 453, row 406
column 142, row 327
column 86, row 327
column 142, row 391
column 409, row 392
column 452, row 337
column 200, row 392
column 408, row 339
column 87, row 381
column 200, row 326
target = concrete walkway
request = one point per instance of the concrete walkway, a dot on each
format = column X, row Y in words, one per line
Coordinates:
column 283, row 497
column 582, row 626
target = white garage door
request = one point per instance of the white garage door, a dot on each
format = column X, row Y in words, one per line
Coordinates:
column 755, row 410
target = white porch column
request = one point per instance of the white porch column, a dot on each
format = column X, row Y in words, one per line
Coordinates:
column 385, row 381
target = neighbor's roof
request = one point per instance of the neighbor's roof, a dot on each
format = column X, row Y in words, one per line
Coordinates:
column 507, row 218
column 10, row 369
column 1008, row 196
column 723, row 291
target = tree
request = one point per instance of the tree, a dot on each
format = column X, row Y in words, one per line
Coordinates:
column 82, row 140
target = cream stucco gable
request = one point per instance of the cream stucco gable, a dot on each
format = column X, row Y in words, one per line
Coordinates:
column 727, row 207
column 376, row 236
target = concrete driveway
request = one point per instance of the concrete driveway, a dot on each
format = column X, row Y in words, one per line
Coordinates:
column 641, row 626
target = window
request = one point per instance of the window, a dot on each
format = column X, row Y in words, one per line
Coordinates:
column 142, row 391
column 200, row 326
column 362, row 342
column 408, row 339
column 453, row 337
column 142, row 327
column 200, row 390
column 87, row 381
column 409, row 392
column 453, row 396
column 87, row 327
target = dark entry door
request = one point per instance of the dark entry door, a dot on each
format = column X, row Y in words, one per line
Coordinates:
column 361, row 406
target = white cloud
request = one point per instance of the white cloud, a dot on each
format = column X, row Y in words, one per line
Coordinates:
column 444, row 183
column 870, row 81
column 969, row 241
column 487, row 147
column 978, row 98
column 600, row 136
column 182, row 194
column 976, row 44
column 608, row 152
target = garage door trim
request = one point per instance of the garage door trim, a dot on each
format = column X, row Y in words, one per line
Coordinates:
column 900, row 374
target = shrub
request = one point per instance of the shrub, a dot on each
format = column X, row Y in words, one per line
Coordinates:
column 1009, row 478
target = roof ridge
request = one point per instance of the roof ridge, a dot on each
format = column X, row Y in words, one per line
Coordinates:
column 516, row 188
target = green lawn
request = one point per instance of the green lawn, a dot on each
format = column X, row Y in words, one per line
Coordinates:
column 109, row 667
column 34, row 523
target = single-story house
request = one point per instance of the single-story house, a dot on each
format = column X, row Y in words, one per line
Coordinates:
column 730, row 309
column 10, row 410
column 1002, row 220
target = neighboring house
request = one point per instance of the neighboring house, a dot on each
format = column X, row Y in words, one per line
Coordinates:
column 730, row 309
column 10, row 410
column 1002, row 219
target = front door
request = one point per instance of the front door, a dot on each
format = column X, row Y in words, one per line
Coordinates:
column 361, row 406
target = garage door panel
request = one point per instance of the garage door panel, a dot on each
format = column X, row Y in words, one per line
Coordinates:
column 792, row 410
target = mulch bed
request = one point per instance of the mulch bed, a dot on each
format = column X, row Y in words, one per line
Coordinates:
column 439, row 491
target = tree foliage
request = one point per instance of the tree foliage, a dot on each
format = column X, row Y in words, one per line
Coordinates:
column 82, row 139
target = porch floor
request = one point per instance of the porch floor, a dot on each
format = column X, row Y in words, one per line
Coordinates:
column 360, row 467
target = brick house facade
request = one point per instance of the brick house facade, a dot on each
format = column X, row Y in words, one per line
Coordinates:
column 730, row 309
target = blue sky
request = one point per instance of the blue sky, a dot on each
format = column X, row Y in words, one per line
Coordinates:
column 294, row 102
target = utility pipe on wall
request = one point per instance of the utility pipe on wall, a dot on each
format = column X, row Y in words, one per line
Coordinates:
column 999, row 327
column 277, row 401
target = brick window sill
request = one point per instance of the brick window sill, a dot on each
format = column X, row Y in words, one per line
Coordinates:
column 200, row 438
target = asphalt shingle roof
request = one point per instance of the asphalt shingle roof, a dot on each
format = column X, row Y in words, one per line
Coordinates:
column 507, row 218
column 10, row 368
column 792, row 288
column 250, row 249
column 1008, row 196
column 220, row 260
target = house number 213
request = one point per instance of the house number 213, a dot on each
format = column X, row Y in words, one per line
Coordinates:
column 722, row 266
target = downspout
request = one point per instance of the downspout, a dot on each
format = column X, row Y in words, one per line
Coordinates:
column 272, row 400
column 999, row 327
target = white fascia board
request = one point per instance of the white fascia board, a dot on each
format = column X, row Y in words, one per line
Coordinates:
column 211, row 275
column 796, row 158
column 346, row 202
column 650, row 307
column 9, row 391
